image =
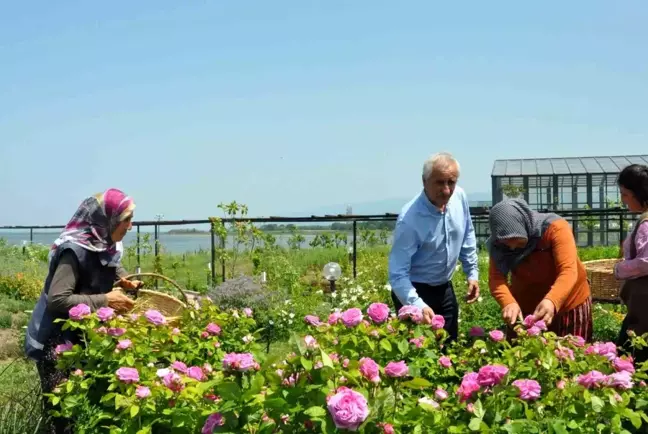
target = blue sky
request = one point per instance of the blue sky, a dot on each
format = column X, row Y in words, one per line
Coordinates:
column 290, row 106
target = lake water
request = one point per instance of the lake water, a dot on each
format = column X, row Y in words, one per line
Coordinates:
column 174, row 243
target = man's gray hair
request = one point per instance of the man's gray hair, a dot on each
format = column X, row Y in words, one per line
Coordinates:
column 439, row 160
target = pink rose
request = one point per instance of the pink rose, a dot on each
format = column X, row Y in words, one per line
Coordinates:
column 61, row 348
column 541, row 325
column 561, row 384
column 134, row 316
column 348, row 409
column 312, row 320
column 239, row 362
column 116, row 331
column 445, row 361
column 396, row 369
column 476, row 332
column 102, row 330
column 173, row 382
column 124, row 344
column 352, row 317
column 534, row 331
column 196, row 373
column 621, row 380
column 414, row 313
column 496, row 335
column 214, row 420
column 127, row 375
column 578, row 341
column 310, row 341
column 247, row 312
column 418, row 341
column 441, row 394
column 469, row 385
column 79, row 312
column 378, row 312
column 592, row 379
column 607, row 350
column 438, row 321
column 529, row 389
column 105, row 313
column 175, row 331
column 387, row 428
column 564, row 353
column 179, row 366
column 334, row 318
column 155, row 317
column 142, row 392
column 213, row 329
column 491, row 375
column 623, row 365
column 369, row 369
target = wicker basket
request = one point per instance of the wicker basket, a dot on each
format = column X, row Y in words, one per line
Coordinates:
column 168, row 305
column 603, row 284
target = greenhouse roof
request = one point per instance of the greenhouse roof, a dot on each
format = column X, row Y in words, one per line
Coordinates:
column 565, row 166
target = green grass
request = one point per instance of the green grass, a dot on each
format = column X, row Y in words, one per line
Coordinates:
column 5, row 319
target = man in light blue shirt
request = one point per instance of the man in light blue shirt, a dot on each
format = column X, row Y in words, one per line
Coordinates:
column 434, row 231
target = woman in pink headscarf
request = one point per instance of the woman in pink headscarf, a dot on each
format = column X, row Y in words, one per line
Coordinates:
column 84, row 262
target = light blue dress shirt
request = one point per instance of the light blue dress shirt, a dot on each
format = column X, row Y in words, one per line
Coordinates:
column 428, row 243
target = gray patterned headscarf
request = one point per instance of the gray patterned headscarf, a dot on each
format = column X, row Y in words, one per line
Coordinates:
column 513, row 218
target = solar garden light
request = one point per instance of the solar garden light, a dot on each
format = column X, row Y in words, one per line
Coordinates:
column 332, row 272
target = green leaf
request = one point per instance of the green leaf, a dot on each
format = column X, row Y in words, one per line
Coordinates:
column 635, row 419
column 229, row 391
column 403, row 346
column 56, row 400
column 478, row 410
column 386, row 345
column 134, row 410
column 417, row 383
column 120, row 401
column 597, row 404
column 307, row 364
column 326, row 360
column 316, row 412
column 559, row 427
column 475, row 424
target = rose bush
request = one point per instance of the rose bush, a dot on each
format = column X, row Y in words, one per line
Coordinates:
column 359, row 371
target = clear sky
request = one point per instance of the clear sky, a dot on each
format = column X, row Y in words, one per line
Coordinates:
column 291, row 105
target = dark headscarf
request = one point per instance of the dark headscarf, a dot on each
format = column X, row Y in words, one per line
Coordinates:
column 513, row 218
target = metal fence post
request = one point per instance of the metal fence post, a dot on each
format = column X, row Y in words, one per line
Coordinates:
column 355, row 249
column 156, row 249
column 621, row 228
column 223, row 244
column 139, row 263
column 213, row 255
column 31, row 235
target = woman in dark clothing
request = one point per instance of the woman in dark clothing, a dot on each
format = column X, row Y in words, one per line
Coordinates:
column 84, row 262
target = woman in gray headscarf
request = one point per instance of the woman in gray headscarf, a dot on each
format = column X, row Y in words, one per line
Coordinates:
column 547, row 279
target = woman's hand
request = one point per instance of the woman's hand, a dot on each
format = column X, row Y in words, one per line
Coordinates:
column 119, row 301
column 545, row 311
column 512, row 313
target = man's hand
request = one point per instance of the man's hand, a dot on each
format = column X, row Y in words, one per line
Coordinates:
column 428, row 314
column 512, row 313
column 545, row 311
column 473, row 291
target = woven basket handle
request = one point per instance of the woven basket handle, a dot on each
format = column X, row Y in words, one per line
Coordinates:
column 159, row 276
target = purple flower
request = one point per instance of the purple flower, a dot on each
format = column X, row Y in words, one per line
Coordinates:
column 491, row 375
column 124, row 344
column 564, row 353
column 438, row 321
column 378, row 312
column 441, row 394
column 607, row 350
column 445, row 361
column 529, row 389
column 621, row 380
column 155, row 317
column 116, row 331
column 352, row 317
column 592, row 379
column 312, row 320
column 310, row 341
column 334, row 317
column 411, row 312
column 213, row 329
column 179, row 366
column 61, row 348
column 214, row 420
column 496, row 335
column 469, row 385
column 621, row 365
column 534, row 331
column 196, row 373
column 348, row 409
column 477, row 332
column 396, row 369
column 247, row 312
column 105, row 313
column 239, row 362
column 173, row 382
column 142, row 392
column 369, row 369
column 127, row 375
column 79, row 312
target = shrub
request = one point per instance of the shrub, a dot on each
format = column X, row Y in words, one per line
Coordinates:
column 23, row 286
column 5, row 319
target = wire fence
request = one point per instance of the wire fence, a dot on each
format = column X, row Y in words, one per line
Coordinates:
column 602, row 227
